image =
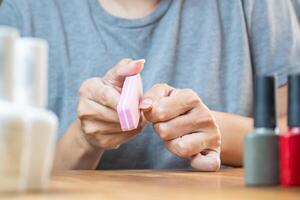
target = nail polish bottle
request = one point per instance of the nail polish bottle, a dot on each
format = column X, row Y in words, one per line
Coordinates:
column 8, row 36
column 30, row 92
column 290, row 142
column 261, row 147
column 30, row 72
column 13, row 129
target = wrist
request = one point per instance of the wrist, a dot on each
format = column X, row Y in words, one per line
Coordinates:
column 85, row 142
column 74, row 152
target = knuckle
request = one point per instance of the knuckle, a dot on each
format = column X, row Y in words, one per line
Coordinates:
column 197, row 122
column 105, row 144
column 80, row 111
column 192, row 96
column 103, row 96
column 162, row 131
column 210, row 121
column 124, row 61
column 160, row 85
column 160, row 113
column 85, row 86
column 109, row 73
column 218, row 142
column 195, row 100
column 88, row 128
column 189, row 98
column 184, row 150
column 163, row 85
column 206, row 120
column 188, row 91
column 82, row 89
column 216, row 139
column 84, row 126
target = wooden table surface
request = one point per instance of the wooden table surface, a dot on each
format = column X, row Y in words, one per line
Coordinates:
column 149, row 184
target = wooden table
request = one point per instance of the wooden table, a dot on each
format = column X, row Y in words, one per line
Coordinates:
column 149, row 184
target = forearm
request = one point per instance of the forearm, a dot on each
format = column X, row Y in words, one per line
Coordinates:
column 233, row 129
column 74, row 152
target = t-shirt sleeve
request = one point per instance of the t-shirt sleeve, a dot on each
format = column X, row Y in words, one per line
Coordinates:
column 274, row 37
column 9, row 15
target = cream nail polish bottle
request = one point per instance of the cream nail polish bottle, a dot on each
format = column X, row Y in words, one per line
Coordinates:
column 14, row 149
column 30, row 92
column 13, row 129
column 8, row 36
column 42, row 125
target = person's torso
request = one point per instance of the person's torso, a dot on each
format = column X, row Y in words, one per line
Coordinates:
column 196, row 44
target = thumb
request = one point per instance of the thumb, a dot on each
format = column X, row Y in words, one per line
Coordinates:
column 210, row 162
column 126, row 67
column 157, row 92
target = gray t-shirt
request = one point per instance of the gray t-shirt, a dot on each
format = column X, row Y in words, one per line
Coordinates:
column 297, row 8
column 214, row 47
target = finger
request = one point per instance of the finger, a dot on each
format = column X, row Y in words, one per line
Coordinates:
column 113, row 141
column 92, row 127
column 94, row 89
column 210, row 161
column 176, row 104
column 142, row 121
column 151, row 98
column 115, row 77
column 88, row 109
column 189, row 145
column 193, row 121
column 95, row 127
column 157, row 92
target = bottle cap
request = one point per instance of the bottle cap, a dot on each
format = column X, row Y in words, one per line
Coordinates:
column 264, row 102
column 31, row 72
column 294, row 100
column 7, row 40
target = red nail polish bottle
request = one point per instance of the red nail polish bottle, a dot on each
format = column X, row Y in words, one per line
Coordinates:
column 290, row 142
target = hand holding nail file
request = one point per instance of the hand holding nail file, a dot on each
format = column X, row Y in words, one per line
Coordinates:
column 128, row 107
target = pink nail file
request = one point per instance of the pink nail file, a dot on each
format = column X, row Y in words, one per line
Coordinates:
column 128, row 107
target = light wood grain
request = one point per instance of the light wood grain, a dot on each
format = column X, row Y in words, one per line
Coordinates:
column 144, row 184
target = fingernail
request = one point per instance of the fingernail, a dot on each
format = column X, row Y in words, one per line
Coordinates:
column 132, row 68
column 140, row 62
column 143, row 61
column 146, row 103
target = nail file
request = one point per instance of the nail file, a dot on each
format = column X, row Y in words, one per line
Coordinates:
column 128, row 107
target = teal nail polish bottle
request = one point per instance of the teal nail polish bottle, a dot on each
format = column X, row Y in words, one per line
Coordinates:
column 261, row 147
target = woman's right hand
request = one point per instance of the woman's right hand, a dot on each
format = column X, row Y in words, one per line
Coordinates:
column 97, row 108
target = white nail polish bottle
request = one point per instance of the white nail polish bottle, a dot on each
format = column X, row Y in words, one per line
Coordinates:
column 42, row 127
column 14, row 148
column 13, row 129
column 30, row 92
column 8, row 37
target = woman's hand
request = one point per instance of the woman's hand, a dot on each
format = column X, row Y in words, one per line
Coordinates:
column 98, row 104
column 185, row 124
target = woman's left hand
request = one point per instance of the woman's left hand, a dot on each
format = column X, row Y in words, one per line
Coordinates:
column 185, row 124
